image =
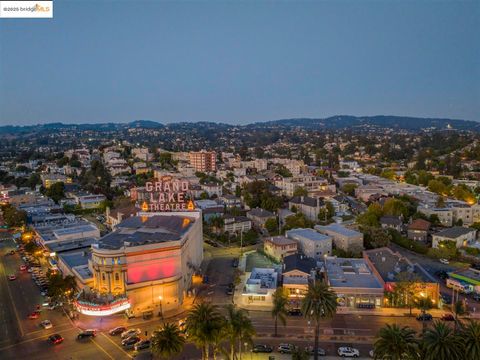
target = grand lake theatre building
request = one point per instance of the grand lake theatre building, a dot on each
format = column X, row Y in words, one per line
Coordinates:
column 145, row 266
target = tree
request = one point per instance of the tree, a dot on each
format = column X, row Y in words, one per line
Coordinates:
column 167, row 342
column 375, row 237
column 470, row 333
column 13, row 217
column 372, row 216
column 271, row 225
column 56, row 191
column 203, row 324
column 395, row 343
column 441, row 343
column 438, row 187
column 349, row 189
column 320, row 302
column 239, row 329
column 458, row 310
column 300, row 354
column 279, row 310
column 298, row 220
column 424, row 304
column 395, row 207
column 300, row 191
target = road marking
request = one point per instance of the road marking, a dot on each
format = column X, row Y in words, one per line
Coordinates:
column 114, row 343
column 101, row 348
column 33, row 339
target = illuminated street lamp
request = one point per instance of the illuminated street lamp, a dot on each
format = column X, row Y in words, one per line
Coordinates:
column 161, row 311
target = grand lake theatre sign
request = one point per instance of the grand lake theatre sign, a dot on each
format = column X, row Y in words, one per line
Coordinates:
column 167, row 194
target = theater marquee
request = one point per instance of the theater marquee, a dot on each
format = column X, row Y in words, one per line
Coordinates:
column 167, row 194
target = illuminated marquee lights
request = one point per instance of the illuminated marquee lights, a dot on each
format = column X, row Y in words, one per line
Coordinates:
column 102, row 310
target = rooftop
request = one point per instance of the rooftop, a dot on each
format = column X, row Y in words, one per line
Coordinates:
column 454, row 232
column 419, row 224
column 353, row 273
column 298, row 262
column 258, row 212
column 338, row 229
column 280, row 240
column 309, row 234
column 142, row 230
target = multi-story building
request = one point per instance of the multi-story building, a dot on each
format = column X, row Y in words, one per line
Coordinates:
column 461, row 236
column 311, row 243
column 279, row 246
column 308, row 206
column 233, row 224
column 343, row 238
column 445, row 215
column 204, row 161
column 145, row 265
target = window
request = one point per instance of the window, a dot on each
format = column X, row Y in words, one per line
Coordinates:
column 103, row 276
column 117, row 277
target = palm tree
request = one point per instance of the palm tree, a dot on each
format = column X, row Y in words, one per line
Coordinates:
column 203, row 325
column 441, row 343
column 320, row 302
column 279, row 310
column 458, row 310
column 239, row 328
column 167, row 342
column 395, row 343
column 424, row 304
column 470, row 334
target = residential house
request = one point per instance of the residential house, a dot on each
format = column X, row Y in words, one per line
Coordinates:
column 279, row 246
column 418, row 230
column 462, row 236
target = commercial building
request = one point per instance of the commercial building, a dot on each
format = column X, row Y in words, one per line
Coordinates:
column 278, row 247
column 67, row 231
column 462, row 236
column 259, row 287
column 343, row 238
column 203, row 161
column 355, row 284
column 145, row 265
column 298, row 271
column 311, row 243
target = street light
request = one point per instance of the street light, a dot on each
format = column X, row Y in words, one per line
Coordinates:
column 161, row 312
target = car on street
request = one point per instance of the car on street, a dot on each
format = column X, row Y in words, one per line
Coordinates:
column 46, row 324
column 34, row 315
column 425, row 317
column 476, row 297
column 142, row 344
column 262, row 348
column 117, row 330
column 55, row 339
column 347, row 351
column 444, row 261
column 130, row 332
column 311, row 351
column 11, row 277
column 130, row 342
column 442, row 274
column 23, row 267
column 448, row 317
column 89, row 333
column 285, row 348
column 294, row 312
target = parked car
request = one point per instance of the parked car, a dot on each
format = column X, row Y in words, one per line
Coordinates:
column 311, row 351
column 346, row 351
column 46, row 324
column 55, row 339
column 23, row 267
column 476, row 297
column 130, row 342
column 262, row 348
column 294, row 312
column 89, row 333
column 286, row 348
column 444, row 261
column 142, row 344
column 424, row 317
column 11, row 277
column 448, row 317
column 117, row 331
column 34, row 315
column 130, row 332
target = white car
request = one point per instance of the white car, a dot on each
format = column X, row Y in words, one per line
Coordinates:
column 444, row 261
column 130, row 332
column 46, row 324
column 346, row 351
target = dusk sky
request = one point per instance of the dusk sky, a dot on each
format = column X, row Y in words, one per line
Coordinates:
column 240, row 62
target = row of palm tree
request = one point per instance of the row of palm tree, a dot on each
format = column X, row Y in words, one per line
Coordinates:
column 209, row 330
column 440, row 342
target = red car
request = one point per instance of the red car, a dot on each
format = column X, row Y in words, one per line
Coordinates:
column 448, row 317
column 33, row 315
column 55, row 339
column 11, row 277
column 23, row 267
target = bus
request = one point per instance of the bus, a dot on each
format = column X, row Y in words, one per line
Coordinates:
column 459, row 286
